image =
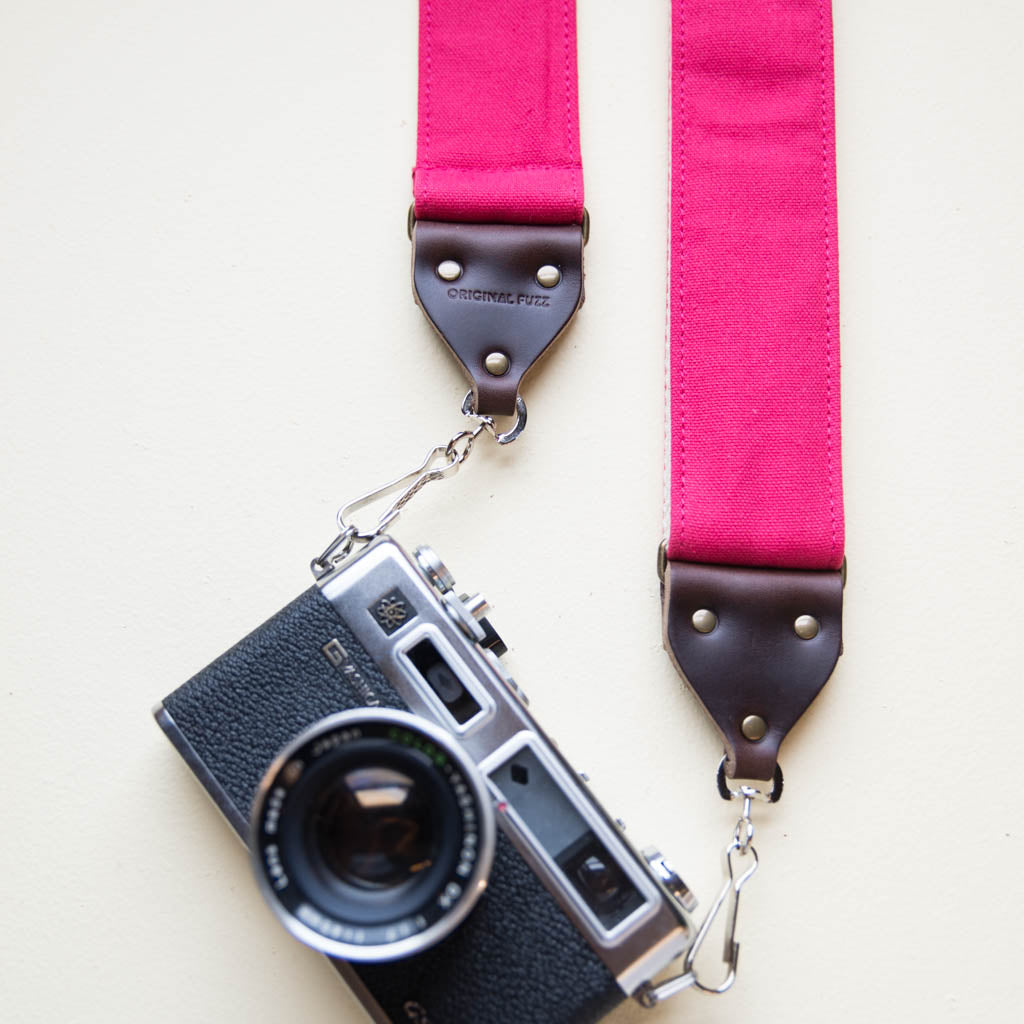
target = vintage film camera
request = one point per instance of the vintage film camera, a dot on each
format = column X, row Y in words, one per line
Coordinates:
column 407, row 816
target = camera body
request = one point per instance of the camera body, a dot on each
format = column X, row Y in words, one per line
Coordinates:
column 408, row 817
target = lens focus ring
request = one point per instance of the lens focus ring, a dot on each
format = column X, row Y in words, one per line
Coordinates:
column 372, row 835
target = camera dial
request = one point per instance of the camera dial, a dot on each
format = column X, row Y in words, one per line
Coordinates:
column 372, row 835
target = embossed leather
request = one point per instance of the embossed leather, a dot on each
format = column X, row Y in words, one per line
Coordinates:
column 752, row 662
column 497, row 305
column 516, row 959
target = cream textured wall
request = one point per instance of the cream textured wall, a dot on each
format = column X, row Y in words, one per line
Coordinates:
column 208, row 342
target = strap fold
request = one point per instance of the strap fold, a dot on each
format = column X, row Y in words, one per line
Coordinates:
column 498, row 138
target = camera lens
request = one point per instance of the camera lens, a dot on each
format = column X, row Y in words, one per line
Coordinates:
column 373, row 835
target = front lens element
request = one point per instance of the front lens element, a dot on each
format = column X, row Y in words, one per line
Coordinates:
column 375, row 828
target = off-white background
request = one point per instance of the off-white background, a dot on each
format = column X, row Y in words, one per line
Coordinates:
column 208, row 342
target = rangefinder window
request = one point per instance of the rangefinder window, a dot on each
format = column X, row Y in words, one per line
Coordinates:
column 586, row 862
column 442, row 679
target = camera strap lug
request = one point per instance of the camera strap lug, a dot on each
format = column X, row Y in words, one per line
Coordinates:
column 755, row 645
column 498, row 295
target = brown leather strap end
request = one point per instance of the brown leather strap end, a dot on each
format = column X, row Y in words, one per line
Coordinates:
column 742, row 640
column 495, row 315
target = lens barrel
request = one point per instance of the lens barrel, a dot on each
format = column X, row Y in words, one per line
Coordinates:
column 372, row 835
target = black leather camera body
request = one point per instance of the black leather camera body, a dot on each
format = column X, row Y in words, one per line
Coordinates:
column 406, row 815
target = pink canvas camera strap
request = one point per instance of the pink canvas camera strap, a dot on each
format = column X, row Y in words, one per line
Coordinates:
column 755, row 505
column 498, row 138
column 754, row 382
column 753, row 594
column 498, row 223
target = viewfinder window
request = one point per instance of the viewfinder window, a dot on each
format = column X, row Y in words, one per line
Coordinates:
column 441, row 678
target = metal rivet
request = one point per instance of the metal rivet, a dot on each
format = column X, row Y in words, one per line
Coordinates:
column 496, row 364
column 449, row 270
column 704, row 620
column 754, row 727
column 806, row 627
column 548, row 276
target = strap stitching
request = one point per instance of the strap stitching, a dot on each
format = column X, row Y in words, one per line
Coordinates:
column 828, row 284
column 430, row 75
column 498, row 170
column 568, row 105
column 682, row 238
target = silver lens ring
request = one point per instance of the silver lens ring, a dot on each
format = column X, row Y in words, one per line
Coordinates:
column 367, row 899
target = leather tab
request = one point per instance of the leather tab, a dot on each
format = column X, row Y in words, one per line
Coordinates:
column 496, row 305
column 752, row 662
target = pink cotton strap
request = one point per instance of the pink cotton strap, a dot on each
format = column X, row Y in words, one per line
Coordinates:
column 498, row 137
column 753, row 312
